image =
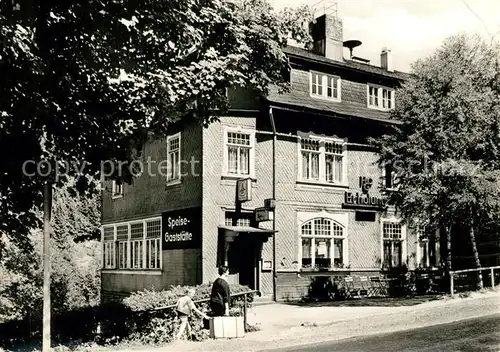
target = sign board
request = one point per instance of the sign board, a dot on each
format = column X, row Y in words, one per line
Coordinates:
column 262, row 214
column 181, row 229
column 365, row 216
column 269, row 204
column 244, row 190
column 363, row 200
column 267, row 265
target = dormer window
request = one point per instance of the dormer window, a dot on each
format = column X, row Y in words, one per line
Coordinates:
column 325, row 86
column 381, row 98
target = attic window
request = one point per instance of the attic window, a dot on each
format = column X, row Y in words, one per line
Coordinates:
column 380, row 98
column 325, row 86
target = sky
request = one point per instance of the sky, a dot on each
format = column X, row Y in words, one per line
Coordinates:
column 411, row 29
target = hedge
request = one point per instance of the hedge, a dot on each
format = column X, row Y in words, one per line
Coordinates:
column 157, row 327
column 133, row 320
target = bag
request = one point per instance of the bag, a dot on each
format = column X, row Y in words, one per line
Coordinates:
column 206, row 324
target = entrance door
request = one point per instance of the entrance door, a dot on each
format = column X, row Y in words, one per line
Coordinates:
column 248, row 263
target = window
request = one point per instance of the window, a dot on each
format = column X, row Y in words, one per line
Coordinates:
column 393, row 244
column 380, row 98
column 390, row 177
column 428, row 249
column 122, row 237
column 323, row 243
column 244, row 219
column 239, row 152
column 334, row 156
column 109, row 247
column 310, row 159
column 322, row 160
column 174, row 157
column 153, row 244
column 325, row 86
column 138, row 242
column 116, row 189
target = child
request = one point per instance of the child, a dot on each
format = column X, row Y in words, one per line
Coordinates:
column 185, row 306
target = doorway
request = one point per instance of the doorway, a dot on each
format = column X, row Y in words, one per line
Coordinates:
column 244, row 260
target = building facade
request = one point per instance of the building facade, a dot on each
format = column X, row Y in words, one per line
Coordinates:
column 305, row 152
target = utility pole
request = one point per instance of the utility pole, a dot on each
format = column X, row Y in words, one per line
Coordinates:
column 275, row 278
column 47, row 205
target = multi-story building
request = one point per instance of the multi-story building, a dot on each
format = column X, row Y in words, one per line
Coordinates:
column 307, row 149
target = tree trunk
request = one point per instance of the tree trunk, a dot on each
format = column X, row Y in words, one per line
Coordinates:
column 472, row 236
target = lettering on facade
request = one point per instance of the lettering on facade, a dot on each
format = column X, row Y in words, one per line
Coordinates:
column 363, row 199
column 182, row 229
column 365, row 184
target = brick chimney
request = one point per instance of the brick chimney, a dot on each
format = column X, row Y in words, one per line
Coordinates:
column 327, row 35
column 386, row 59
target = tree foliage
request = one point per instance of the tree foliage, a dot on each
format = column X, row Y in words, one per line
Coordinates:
column 75, row 257
column 446, row 151
column 86, row 81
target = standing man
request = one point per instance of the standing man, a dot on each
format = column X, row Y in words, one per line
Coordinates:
column 219, row 299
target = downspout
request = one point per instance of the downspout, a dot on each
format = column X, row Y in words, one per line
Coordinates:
column 271, row 117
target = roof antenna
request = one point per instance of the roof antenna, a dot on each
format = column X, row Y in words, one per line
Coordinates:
column 351, row 44
column 325, row 7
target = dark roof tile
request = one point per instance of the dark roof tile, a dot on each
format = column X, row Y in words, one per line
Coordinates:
column 308, row 55
column 346, row 109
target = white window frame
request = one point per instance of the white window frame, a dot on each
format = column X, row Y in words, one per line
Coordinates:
column 127, row 258
column 157, row 251
column 325, row 78
column 242, row 221
column 171, row 177
column 425, row 241
column 108, row 246
column 394, row 186
column 251, row 147
column 116, row 190
column 129, row 267
column 380, row 93
column 322, row 159
column 341, row 219
column 404, row 254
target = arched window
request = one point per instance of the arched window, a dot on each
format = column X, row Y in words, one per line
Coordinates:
column 322, row 243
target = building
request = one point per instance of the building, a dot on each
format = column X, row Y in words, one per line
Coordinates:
column 328, row 192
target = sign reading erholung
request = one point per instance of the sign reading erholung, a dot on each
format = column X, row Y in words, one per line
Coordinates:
column 182, row 228
column 363, row 199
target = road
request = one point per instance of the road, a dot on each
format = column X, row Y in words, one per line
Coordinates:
column 479, row 334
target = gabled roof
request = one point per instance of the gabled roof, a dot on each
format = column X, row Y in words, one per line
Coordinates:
column 293, row 51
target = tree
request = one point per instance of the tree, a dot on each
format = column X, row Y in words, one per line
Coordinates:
column 76, row 254
column 85, row 82
column 446, row 151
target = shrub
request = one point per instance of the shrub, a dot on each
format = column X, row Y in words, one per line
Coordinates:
column 134, row 320
column 159, row 326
